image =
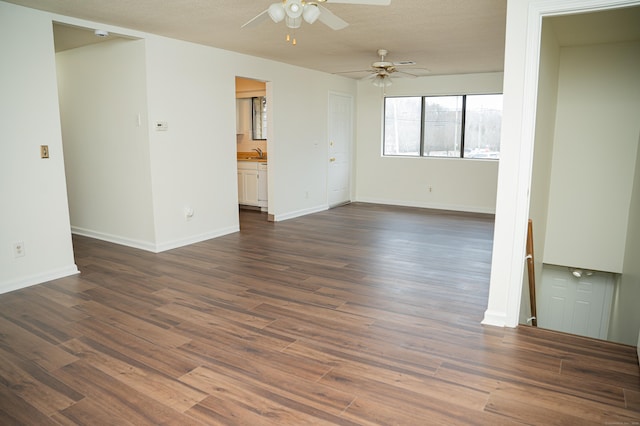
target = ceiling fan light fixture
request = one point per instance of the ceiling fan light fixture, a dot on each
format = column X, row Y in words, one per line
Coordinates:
column 310, row 13
column 381, row 80
column 276, row 12
column 294, row 8
column 293, row 22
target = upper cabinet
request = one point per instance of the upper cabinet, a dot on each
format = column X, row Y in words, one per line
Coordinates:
column 243, row 116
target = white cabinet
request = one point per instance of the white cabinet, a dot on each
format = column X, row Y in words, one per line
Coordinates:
column 262, row 186
column 243, row 116
column 248, row 183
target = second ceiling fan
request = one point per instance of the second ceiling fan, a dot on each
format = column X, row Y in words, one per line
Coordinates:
column 293, row 12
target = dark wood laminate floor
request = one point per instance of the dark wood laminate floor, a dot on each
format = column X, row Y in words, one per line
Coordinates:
column 361, row 315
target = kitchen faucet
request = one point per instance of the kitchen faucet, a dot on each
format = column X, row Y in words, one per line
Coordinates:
column 259, row 151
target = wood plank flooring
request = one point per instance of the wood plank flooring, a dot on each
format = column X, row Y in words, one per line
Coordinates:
column 361, row 315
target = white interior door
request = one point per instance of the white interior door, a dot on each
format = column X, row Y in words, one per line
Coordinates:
column 573, row 305
column 340, row 139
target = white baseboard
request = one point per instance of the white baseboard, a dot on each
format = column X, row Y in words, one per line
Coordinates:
column 298, row 213
column 425, row 205
column 153, row 247
column 168, row 245
column 40, row 278
column 116, row 239
column 495, row 318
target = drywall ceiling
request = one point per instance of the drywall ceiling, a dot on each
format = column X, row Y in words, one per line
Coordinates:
column 445, row 36
column 608, row 26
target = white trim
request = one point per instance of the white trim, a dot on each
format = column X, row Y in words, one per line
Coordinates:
column 169, row 245
column 148, row 246
column 426, row 205
column 298, row 213
column 31, row 280
column 116, row 239
column 494, row 318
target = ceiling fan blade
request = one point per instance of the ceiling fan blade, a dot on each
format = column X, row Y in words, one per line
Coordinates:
column 405, row 74
column 365, row 2
column 256, row 20
column 352, row 72
column 415, row 72
column 331, row 20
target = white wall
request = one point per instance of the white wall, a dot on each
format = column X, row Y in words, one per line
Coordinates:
column 522, row 50
column 594, row 155
column 102, row 95
column 297, row 132
column 625, row 317
column 32, row 190
column 193, row 164
column 457, row 184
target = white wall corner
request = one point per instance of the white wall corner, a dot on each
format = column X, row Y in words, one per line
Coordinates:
column 169, row 245
column 116, row 239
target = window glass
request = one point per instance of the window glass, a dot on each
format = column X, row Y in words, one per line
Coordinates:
column 482, row 126
column 402, row 118
column 460, row 126
column 442, row 126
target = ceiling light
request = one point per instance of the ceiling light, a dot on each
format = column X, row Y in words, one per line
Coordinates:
column 382, row 80
column 276, row 12
column 101, row 33
column 310, row 13
column 293, row 22
column 294, row 8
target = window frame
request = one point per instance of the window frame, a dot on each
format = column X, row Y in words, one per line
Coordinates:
column 422, row 126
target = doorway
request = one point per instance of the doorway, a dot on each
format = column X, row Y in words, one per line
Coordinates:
column 586, row 162
column 252, row 130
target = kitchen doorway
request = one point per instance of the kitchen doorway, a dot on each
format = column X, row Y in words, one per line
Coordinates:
column 252, row 143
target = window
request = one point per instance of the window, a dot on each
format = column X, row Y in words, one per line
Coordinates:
column 465, row 126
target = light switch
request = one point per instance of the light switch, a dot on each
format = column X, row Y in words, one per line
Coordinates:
column 44, row 151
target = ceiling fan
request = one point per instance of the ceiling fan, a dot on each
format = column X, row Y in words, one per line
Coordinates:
column 381, row 70
column 293, row 12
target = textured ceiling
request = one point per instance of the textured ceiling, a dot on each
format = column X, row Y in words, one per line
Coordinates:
column 443, row 36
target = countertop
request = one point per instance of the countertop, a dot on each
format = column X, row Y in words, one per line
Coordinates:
column 252, row 156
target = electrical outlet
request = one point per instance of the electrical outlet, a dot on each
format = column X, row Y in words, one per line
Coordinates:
column 188, row 213
column 18, row 249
